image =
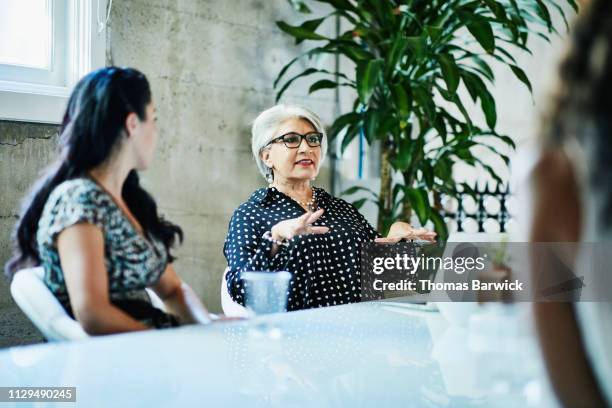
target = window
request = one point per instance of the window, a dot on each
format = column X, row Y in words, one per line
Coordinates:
column 46, row 46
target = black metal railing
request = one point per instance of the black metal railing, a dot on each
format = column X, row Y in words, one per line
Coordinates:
column 482, row 214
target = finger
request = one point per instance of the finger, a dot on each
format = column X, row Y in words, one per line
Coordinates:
column 388, row 240
column 302, row 221
column 429, row 236
column 319, row 230
column 303, row 218
column 315, row 216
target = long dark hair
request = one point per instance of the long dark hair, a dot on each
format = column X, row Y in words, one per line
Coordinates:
column 582, row 107
column 90, row 132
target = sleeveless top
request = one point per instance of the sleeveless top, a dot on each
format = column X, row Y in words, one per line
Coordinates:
column 132, row 261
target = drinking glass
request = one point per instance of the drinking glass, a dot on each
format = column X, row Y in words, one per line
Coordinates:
column 266, row 293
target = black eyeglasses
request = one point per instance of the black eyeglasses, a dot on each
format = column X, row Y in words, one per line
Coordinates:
column 293, row 140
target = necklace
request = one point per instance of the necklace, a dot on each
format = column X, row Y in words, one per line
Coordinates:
column 310, row 204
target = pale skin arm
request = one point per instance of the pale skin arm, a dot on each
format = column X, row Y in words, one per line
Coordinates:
column 557, row 218
column 288, row 229
column 402, row 230
column 81, row 252
column 180, row 299
column 293, row 227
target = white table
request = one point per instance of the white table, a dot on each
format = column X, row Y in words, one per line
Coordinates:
column 362, row 355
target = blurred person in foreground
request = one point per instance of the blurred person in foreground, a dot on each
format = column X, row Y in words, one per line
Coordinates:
column 573, row 203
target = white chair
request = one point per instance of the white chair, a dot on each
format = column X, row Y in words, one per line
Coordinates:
column 44, row 310
column 230, row 307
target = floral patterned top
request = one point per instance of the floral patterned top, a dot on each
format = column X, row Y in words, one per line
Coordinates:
column 133, row 262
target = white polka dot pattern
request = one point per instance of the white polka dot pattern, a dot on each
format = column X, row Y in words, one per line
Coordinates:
column 325, row 268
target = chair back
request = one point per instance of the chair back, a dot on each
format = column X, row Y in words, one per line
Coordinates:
column 43, row 309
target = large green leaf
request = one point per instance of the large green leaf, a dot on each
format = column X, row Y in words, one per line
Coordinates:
column 354, row 52
column 306, row 72
column 450, row 73
column 483, row 33
column 520, row 74
column 368, row 76
column 484, row 68
column 419, row 200
column 443, row 169
column 359, row 203
column 496, row 152
column 544, row 14
column 403, row 100
column 322, row 84
column 382, row 10
column 418, row 44
column 560, row 11
column 300, row 33
column 310, row 26
column 403, row 160
column 315, row 51
column 425, row 100
column 497, row 9
column 400, row 44
column 439, row 225
column 440, row 125
column 477, row 89
column 428, row 174
column 573, row 4
column 487, row 103
column 372, row 122
column 434, row 32
column 352, row 132
column 343, row 121
column 354, row 189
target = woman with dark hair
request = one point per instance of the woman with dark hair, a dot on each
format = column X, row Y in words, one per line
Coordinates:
column 90, row 224
column 573, row 203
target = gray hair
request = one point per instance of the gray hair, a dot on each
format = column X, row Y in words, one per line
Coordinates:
column 267, row 123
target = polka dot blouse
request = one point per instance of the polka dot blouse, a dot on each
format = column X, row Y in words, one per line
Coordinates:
column 325, row 268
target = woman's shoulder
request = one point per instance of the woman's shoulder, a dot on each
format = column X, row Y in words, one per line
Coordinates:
column 80, row 190
column 250, row 205
column 78, row 196
column 72, row 201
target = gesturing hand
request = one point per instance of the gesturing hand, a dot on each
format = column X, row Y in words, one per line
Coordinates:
column 401, row 230
column 301, row 225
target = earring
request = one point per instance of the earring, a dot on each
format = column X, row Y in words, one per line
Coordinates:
column 270, row 175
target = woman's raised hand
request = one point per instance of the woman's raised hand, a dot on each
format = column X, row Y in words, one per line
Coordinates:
column 402, row 230
column 301, row 225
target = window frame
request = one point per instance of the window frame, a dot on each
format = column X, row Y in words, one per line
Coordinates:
column 85, row 50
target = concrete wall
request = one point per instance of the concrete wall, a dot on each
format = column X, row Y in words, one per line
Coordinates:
column 24, row 150
column 211, row 65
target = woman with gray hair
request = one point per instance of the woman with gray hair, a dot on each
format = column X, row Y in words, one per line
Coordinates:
column 293, row 226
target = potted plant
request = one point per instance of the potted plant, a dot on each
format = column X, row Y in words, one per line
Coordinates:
column 410, row 58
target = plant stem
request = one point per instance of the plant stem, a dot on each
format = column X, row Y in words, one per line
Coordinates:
column 384, row 196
